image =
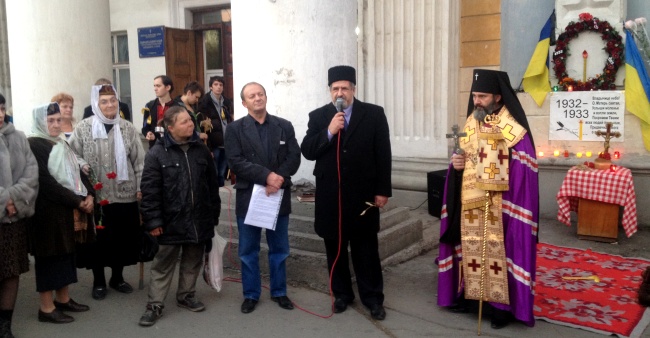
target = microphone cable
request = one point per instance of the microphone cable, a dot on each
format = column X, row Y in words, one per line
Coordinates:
column 340, row 239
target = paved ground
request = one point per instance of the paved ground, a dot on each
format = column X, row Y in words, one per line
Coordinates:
column 410, row 303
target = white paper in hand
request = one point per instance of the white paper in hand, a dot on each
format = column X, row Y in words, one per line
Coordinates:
column 263, row 210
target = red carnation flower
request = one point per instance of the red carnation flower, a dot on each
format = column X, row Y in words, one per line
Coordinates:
column 104, row 202
column 98, row 186
column 111, row 175
column 585, row 16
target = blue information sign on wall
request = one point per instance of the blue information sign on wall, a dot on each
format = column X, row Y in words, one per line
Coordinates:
column 151, row 41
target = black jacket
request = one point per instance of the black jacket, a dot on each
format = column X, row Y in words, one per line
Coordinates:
column 51, row 231
column 207, row 109
column 248, row 160
column 150, row 118
column 180, row 192
column 365, row 167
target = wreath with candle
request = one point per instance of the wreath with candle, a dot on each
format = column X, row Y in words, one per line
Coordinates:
column 613, row 46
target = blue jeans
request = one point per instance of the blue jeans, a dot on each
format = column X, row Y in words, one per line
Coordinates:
column 220, row 164
column 249, row 253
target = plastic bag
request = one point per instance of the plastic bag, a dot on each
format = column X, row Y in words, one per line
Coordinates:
column 148, row 248
column 213, row 266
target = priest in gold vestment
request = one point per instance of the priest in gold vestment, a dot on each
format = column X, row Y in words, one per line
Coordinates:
column 491, row 207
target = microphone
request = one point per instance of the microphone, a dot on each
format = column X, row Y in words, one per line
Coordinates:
column 339, row 104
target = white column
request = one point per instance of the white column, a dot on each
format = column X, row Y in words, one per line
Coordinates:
column 5, row 85
column 56, row 46
column 410, row 67
column 288, row 46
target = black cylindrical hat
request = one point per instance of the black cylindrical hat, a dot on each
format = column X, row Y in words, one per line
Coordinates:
column 341, row 73
column 486, row 81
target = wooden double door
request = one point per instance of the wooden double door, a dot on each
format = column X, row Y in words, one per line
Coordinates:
column 184, row 57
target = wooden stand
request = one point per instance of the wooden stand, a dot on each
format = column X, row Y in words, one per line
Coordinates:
column 597, row 221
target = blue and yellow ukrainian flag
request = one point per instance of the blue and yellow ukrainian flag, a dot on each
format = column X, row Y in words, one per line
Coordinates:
column 637, row 87
column 536, row 79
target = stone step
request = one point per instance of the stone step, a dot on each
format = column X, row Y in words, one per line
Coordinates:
column 302, row 266
column 307, row 261
column 400, row 238
column 393, row 217
column 305, row 224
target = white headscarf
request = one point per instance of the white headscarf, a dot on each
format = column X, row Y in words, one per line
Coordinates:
column 99, row 131
column 62, row 164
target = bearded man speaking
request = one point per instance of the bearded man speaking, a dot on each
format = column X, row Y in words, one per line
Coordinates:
column 491, row 208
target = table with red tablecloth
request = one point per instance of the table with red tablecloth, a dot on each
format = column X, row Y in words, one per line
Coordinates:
column 607, row 186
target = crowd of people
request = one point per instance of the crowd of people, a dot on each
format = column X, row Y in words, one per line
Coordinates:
column 82, row 194
column 72, row 195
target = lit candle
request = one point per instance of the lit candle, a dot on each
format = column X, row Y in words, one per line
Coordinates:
column 617, row 155
column 584, row 66
column 556, row 153
column 569, row 88
column 613, row 167
column 580, row 130
column 579, row 155
column 540, row 154
column 588, row 154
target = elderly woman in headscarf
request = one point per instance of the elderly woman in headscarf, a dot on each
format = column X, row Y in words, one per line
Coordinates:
column 18, row 189
column 111, row 150
column 63, row 217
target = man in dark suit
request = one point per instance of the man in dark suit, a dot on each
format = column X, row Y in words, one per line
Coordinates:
column 262, row 149
column 351, row 147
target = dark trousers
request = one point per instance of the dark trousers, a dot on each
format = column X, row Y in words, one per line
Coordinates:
column 367, row 268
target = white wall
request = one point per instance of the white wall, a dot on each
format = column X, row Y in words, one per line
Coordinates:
column 127, row 16
column 56, row 46
column 288, row 46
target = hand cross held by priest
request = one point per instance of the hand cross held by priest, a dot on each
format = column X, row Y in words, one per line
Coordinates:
column 456, row 135
column 499, row 158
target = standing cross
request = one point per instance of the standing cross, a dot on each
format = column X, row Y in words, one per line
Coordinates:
column 607, row 135
column 455, row 135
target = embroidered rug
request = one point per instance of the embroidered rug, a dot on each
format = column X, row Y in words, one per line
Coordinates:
column 604, row 300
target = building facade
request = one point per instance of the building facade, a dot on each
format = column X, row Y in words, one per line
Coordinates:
column 413, row 57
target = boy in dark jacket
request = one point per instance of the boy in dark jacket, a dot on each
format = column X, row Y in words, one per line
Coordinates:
column 215, row 113
column 180, row 206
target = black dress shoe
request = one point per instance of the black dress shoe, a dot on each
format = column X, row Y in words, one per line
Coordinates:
column 248, row 305
column 71, row 306
column 499, row 324
column 500, row 319
column 340, row 305
column 122, row 287
column 56, row 316
column 284, row 302
column 460, row 307
column 99, row 292
column 377, row 311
